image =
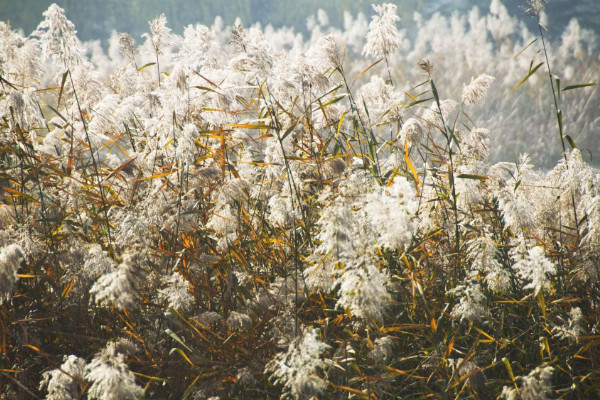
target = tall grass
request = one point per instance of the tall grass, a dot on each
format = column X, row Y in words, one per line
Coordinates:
column 258, row 220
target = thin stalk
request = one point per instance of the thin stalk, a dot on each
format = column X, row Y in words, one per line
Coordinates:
column 87, row 136
column 158, row 69
column 560, row 126
column 448, row 135
column 562, row 139
column 387, row 64
column 179, row 202
column 355, row 112
column 293, row 189
column 32, row 162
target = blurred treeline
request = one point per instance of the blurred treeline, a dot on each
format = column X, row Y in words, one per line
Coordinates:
column 96, row 19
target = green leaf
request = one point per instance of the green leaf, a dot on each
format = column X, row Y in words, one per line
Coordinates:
column 579, row 85
column 559, row 118
column 291, row 128
column 531, row 72
column 147, row 65
column 62, row 86
column 419, row 85
column 571, row 141
column 205, row 89
column 414, row 103
column 334, row 100
column 526, row 47
column 176, row 338
column 452, row 136
column 517, row 185
column 434, row 92
column 473, row 176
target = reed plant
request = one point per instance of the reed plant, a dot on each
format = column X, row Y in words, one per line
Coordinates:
column 258, row 220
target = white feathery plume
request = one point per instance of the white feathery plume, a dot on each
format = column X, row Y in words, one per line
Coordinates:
column 186, row 143
column 383, row 38
column 535, row 7
column 160, row 35
column 363, row 291
column 118, row 288
column 10, row 260
column 127, row 45
column 65, row 383
column 58, row 38
column 335, row 233
column 412, row 132
column 534, row 268
column 432, row 115
column 573, row 328
column 482, row 252
column 475, row 91
column 176, row 294
column 199, row 48
column 281, row 210
column 475, row 146
column 110, row 378
column 297, row 368
column 471, row 306
column 471, row 191
column 391, row 211
column 534, row 386
column 208, row 318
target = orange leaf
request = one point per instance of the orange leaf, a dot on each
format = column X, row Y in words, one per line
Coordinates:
column 433, row 325
column 449, row 349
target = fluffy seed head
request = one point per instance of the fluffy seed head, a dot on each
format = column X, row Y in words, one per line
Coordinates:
column 383, row 38
column 477, row 89
column 10, row 260
column 535, row 7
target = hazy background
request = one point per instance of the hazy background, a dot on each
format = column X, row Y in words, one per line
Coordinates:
column 95, row 19
column 522, row 121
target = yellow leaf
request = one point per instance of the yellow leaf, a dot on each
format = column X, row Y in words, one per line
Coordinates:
column 251, row 126
column 369, row 67
column 542, row 303
column 485, row 334
column 510, row 372
column 400, row 372
column 153, row 378
column 68, row 288
column 410, row 166
column 411, row 96
column 155, row 176
column 182, row 354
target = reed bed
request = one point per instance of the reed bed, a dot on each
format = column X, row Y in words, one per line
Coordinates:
column 236, row 214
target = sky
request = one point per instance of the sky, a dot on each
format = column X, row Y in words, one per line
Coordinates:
column 96, row 19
